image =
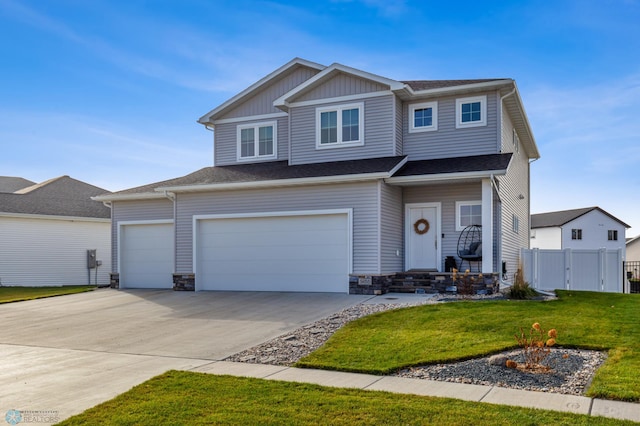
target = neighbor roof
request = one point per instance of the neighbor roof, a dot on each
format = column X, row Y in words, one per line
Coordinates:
column 11, row 184
column 560, row 218
column 61, row 196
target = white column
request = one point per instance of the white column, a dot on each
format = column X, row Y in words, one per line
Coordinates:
column 487, row 227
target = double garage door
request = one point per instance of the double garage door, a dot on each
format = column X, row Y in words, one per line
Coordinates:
column 304, row 253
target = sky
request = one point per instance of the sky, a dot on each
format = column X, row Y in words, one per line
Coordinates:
column 108, row 92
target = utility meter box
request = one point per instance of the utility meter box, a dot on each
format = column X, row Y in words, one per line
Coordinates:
column 91, row 259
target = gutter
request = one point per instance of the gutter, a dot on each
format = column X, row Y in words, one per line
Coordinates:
column 399, row 180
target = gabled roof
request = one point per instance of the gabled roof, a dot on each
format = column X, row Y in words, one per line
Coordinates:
column 251, row 90
column 9, row 184
column 61, row 196
column 633, row 239
column 561, row 218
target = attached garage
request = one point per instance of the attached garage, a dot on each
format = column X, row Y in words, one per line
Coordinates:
column 146, row 255
column 291, row 251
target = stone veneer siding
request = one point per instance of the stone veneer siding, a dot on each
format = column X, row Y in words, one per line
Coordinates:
column 184, row 282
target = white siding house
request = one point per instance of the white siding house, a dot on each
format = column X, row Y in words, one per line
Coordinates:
column 46, row 230
column 586, row 228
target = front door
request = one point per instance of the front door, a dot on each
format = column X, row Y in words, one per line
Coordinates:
column 422, row 231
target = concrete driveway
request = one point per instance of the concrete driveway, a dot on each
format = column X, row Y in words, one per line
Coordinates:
column 62, row 355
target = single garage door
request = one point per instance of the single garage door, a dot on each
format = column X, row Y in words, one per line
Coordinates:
column 307, row 253
column 146, row 259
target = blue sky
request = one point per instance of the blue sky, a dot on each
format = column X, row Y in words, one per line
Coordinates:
column 109, row 92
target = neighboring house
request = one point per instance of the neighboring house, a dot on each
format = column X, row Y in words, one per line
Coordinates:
column 327, row 179
column 46, row 230
column 586, row 228
column 633, row 249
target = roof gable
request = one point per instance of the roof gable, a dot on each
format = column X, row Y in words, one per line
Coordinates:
column 561, row 218
column 9, row 184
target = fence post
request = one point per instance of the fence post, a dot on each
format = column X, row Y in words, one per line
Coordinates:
column 535, row 264
column 602, row 266
column 568, row 278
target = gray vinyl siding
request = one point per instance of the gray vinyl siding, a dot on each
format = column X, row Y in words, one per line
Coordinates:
column 378, row 133
column 391, row 231
column 447, row 195
column 448, row 141
column 514, row 183
column 262, row 102
column 143, row 210
column 342, row 85
column 398, row 126
column 226, row 141
column 361, row 197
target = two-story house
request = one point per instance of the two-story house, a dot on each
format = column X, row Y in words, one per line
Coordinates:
column 584, row 228
column 326, row 175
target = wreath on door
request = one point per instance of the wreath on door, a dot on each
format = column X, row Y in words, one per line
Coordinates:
column 421, row 226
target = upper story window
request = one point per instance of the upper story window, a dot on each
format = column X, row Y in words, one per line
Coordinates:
column 340, row 126
column 612, row 235
column 468, row 213
column 257, row 141
column 576, row 234
column 471, row 112
column 423, row 117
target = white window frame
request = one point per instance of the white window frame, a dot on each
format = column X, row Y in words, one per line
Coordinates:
column 483, row 112
column 434, row 117
column 577, row 233
column 459, row 204
column 612, row 235
column 338, row 109
column 256, row 141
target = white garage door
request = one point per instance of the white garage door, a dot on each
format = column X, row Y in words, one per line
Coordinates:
column 308, row 253
column 146, row 259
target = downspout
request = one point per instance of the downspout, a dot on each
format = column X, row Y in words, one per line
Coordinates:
column 211, row 129
column 172, row 196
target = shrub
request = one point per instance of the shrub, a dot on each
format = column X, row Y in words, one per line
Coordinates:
column 536, row 346
column 520, row 288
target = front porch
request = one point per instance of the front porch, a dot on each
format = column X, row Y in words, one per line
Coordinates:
column 425, row 282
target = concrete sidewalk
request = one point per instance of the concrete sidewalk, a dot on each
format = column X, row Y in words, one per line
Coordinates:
column 477, row 393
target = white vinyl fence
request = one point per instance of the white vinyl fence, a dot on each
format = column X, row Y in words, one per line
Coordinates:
column 590, row 270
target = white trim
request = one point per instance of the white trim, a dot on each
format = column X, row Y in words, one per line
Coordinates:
column 127, row 197
column 52, row 217
column 196, row 218
column 417, row 179
column 276, row 183
column 140, row 222
column 347, row 98
column 256, row 141
column 434, row 117
column 487, row 227
column 465, row 88
column 251, row 118
column 408, row 227
column 338, row 110
column 466, row 203
column 483, row 111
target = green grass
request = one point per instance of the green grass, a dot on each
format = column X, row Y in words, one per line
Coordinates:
column 183, row 398
column 385, row 342
column 19, row 294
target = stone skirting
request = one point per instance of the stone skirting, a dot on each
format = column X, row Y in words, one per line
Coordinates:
column 370, row 284
column 114, row 280
column 184, row 282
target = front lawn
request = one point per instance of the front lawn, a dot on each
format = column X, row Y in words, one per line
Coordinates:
column 179, row 397
column 388, row 341
column 18, row 294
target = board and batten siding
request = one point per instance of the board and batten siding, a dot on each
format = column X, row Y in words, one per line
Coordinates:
column 448, row 141
column 378, row 133
column 391, row 231
column 512, row 185
column 226, row 141
column 141, row 210
column 447, row 195
column 342, row 85
column 262, row 101
column 361, row 197
column 52, row 252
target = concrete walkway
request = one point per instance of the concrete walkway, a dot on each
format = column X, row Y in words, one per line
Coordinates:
column 467, row 392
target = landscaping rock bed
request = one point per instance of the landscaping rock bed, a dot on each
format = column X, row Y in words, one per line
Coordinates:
column 570, row 374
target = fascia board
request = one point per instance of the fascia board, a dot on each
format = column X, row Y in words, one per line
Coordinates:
column 440, row 177
column 277, row 183
column 205, row 119
column 129, row 197
column 451, row 90
column 532, row 147
column 53, row 217
column 283, row 101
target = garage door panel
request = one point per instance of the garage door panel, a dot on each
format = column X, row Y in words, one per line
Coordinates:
column 146, row 259
column 285, row 253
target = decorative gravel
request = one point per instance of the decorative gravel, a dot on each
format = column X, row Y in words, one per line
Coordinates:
column 571, row 370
